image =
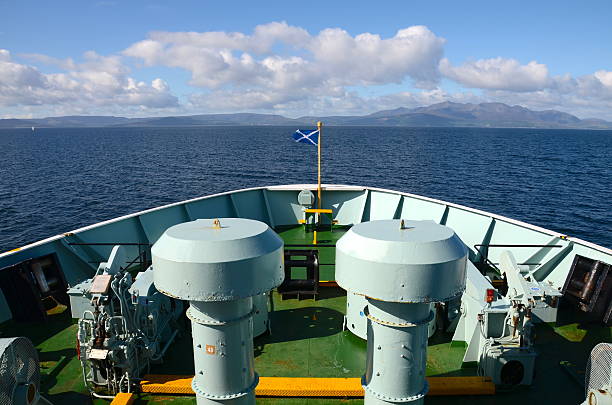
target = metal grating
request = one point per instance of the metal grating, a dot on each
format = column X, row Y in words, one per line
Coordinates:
column 18, row 365
column 599, row 368
column 319, row 387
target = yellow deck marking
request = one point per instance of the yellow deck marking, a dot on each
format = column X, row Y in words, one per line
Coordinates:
column 123, row 399
column 319, row 210
column 309, row 387
column 166, row 384
column 320, row 387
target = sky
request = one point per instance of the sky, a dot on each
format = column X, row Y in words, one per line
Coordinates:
column 157, row 58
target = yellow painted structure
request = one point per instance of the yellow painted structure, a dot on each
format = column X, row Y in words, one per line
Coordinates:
column 320, row 387
column 123, row 399
column 309, row 387
column 166, row 384
column 320, row 140
column 318, row 211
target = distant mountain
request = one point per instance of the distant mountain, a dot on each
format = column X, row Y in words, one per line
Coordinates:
column 498, row 114
column 15, row 123
column 447, row 114
column 215, row 119
column 81, row 121
column 66, row 122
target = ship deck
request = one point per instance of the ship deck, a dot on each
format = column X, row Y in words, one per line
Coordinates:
column 308, row 340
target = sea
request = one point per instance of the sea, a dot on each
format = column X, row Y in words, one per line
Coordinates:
column 56, row 180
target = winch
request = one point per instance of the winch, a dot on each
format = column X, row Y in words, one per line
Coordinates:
column 124, row 325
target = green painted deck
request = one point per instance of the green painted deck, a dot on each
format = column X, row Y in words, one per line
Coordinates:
column 307, row 341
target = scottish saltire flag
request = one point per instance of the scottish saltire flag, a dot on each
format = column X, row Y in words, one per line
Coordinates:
column 309, row 136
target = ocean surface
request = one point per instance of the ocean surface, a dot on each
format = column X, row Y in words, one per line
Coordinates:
column 56, row 180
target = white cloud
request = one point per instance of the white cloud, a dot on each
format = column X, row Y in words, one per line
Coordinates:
column 604, row 77
column 586, row 96
column 531, row 85
column 340, row 101
column 285, row 69
column 330, row 59
column 505, row 77
column 65, row 64
column 498, row 74
column 260, row 42
column 98, row 81
column 368, row 59
column 5, row 55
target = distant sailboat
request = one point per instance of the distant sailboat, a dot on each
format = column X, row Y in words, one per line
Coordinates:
column 33, row 129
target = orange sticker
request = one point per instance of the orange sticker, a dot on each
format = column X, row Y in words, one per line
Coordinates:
column 210, row 349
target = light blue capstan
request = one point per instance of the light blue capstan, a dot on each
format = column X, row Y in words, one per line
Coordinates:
column 308, row 136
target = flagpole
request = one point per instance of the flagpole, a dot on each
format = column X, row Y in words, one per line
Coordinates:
column 319, row 127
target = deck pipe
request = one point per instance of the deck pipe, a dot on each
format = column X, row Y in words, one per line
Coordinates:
column 220, row 266
column 401, row 268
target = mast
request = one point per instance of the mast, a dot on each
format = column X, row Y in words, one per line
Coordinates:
column 320, row 128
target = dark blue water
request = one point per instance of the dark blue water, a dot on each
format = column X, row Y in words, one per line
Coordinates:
column 55, row 180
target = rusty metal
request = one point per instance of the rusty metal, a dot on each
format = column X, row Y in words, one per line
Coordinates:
column 589, row 287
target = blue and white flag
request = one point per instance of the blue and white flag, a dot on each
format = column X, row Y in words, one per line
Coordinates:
column 309, row 136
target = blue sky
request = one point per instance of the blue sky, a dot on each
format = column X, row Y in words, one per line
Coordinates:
column 103, row 57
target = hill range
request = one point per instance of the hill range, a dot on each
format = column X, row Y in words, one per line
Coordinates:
column 446, row 114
